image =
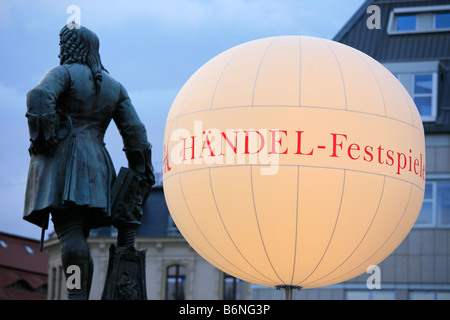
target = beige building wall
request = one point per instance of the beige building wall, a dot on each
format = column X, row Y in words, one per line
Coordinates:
column 203, row 281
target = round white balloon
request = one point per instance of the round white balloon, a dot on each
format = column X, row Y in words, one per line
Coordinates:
column 294, row 161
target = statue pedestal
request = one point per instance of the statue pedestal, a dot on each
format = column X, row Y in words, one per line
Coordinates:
column 125, row 279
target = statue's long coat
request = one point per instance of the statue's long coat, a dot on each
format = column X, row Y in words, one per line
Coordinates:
column 79, row 172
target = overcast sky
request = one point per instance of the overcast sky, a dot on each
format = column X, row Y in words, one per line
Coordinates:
column 152, row 47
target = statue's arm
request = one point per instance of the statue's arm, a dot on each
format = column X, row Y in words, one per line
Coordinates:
column 134, row 135
column 41, row 110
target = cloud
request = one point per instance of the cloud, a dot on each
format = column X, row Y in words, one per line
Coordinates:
column 194, row 14
column 13, row 137
column 8, row 9
column 289, row 16
column 168, row 14
column 183, row 16
column 14, row 158
column 152, row 107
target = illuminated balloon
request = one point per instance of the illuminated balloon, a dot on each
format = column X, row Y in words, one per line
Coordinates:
column 294, row 161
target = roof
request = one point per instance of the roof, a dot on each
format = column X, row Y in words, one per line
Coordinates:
column 155, row 220
column 385, row 48
column 17, row 294
column 22, row 254
column 9, row 277
column 391, row 48
column 23, row 269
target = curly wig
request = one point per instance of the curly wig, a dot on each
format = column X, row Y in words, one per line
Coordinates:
column 81, row 45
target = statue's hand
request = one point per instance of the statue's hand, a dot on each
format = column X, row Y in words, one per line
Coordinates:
column 42, row 146
column 140, row 161
column 43, row 133
column 150, row 176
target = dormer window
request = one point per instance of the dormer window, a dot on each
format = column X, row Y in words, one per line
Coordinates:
column 419, row 20
column 442, row 20
column 406, row 22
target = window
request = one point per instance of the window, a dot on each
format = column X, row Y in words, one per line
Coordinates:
column 25, row 286
column 436, row 205
column 233, row 288
column 53, row 284
column 420, row 79
column 369, row 295
column 406, row 22
column 426, row 214
column 429, row 295
column 21, row 285
column 442, row 20
column 421, row 19
column 29, row 250
column 423, row 93
column 3, row 244
column 175, row 282
column 443, row 203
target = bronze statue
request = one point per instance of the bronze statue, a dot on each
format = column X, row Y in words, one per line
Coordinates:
column 71, row 174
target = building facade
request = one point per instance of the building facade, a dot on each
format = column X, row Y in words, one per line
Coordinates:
column 412, row 40
column 174, row 271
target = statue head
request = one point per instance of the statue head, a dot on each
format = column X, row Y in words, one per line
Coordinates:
column 80, row 45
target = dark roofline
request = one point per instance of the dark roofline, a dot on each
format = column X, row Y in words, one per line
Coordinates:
column 19, row 237
column 350, row 23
